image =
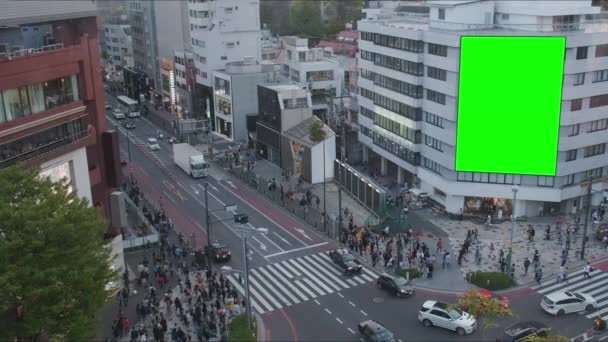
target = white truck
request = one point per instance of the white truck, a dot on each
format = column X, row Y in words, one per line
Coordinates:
column 190, row 160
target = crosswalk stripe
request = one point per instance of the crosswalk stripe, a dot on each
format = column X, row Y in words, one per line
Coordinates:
column 236, row 284
column 366, row 277
column 279, row 285
column 297, row 282
column 561, row 287
column 329, row 285
column 270, row 287
column 313, row 278
column 598, row 313
column 327, row 272
column 359, row 279
column 370, row 273
column 287, row 282
column 332, row 268
column 293, row 270
column 552, row 280
column 256, row 286
column 284, row 271
column 594, row 284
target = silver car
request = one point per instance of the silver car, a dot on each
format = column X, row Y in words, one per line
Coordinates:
column 442, row 315
column 153, row 144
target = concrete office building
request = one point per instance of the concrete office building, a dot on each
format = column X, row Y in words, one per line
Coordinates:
column 408, row 88
column 119, row 47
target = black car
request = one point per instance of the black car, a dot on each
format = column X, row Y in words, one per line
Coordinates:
column 219, row 252
column 398, row 286
column 373, row 331
column 128, row 124
column 346, row 261
column 522, row 330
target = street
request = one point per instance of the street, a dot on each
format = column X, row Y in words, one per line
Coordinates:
column 300, row 294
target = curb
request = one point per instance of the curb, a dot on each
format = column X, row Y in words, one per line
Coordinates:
column 261, row 333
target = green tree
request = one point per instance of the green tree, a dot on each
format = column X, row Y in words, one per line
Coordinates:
column 54, row 264
column 339, row 13
column 483, row 306
column 305, row 18
column 548, row 338
column 317, row 133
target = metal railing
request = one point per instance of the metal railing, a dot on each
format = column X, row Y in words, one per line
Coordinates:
column 27, row 52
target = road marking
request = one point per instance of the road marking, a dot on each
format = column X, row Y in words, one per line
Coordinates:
column 337, row 319
column 262, row 246
column 327, row 310
column 296, row 249
column 230, row 183
column 279, row 285
column 213, row 187
column 363, row 312
column 194, row 189
column 351, row 303
column 339, row 294
column 330, row 266
column 169, row 197
column 351, row 331
column 316, row 301
column 236, row 284
column 272, row 242
column 272, row 289
column 307, row 281
column 282, row 238
column 322, row 269
column 301, row 231
column 299, row 263
column 603, row 338
column 256, row 285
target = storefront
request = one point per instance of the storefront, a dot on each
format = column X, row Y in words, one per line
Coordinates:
column 498, row 208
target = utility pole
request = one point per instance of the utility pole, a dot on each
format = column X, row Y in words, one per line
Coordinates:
column 587, row 214
column 208, row 222
column 248, row 304
column 324, row 193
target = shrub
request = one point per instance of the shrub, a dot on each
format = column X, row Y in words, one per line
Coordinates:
column 239, row 331
column 413, row 273
column 490, row 280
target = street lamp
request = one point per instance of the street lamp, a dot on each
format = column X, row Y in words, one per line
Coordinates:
column 510, row 256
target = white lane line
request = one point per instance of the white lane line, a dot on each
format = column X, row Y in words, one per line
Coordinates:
column 366, row 277
column 261, row 213
column 370, row 273
column 603, row 338
column 283, row 270
column 236, row 284
column 316, row 301
column 351, row 331
column 570, row 284
column 329, row 266
column 552, row 281
column 363, row 312
column 272, row 242
column 297, row 249
column 169, row 197
column 301, row 267
column 278, row 284
column 256, row 286
column 262, row 246
column 339, row 294
column 282, row 238
column 339, row 321
column 307, row 281
column 359, row 279
column 594, row 284
column 351, row 303
column 286, row 282
column 327, row 310
column 194, row 189
column 597, row 313
column 319, row 270
column 267, row 283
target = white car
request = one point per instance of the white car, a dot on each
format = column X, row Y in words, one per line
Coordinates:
column 153, row 144
column 559, row 303
column 133, row 115
column 118, row 114
column 449, row 317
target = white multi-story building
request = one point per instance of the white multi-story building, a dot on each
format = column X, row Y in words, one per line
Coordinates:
column 221, row 31
column 119, row 45
column 408, row 88
column 314, row 68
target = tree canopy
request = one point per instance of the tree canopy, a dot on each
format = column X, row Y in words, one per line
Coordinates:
column 305, row 18
column 484, row 306
column 317, row 133
column 54, row 263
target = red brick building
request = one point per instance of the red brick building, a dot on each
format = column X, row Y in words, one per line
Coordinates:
column 51, row 96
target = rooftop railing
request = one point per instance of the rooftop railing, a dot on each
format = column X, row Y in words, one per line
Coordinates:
column 27, row 52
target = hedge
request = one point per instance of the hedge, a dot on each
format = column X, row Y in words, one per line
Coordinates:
column 238, row 331
column 490, row 280
column 414, row 273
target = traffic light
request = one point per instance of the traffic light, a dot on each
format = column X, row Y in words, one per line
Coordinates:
column 241, row 218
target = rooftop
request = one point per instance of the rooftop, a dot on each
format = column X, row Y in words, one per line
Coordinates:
column 301, row 132
column 23, row 12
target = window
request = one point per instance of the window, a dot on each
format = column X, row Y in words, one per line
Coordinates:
column 394, row 42
column 433, row 119
column 505, row 16
column 435, row 96
column 594, row 173
column 228, row 10
column 600, row 75
column 601, row 50
column 223, row 58
column 571, row 155
column 289, row 55
column 573, row 130
column 546, row 181
column 598, row 125
column 402, row 109
column 402, row 65
column 436, row 73
column 442, row 14
column 432, row 142
column 401, row 87
column 595, row 150
column 439, row 50
column 397, row 128
column 302, row 56
column 579, row 78
column 581, row 52
column 576, row 104
column 569, row 180
column 433, row 166
column 598, row 101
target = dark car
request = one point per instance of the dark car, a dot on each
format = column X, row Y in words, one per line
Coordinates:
column 219, row 252
column 398, row 286
column 128, row 124
column 373, row 331
column 522, row 330
column 346, row 261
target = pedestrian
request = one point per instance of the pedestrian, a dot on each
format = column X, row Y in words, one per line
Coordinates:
column 538, row 275
column 587, row 270
column 526, row 266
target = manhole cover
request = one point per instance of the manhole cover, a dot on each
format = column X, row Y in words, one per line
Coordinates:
column 378, row 300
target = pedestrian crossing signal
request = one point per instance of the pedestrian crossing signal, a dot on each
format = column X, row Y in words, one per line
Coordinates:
column 241, row 218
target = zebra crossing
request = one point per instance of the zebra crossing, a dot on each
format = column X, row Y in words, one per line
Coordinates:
column 597, row 287
column 297, row 280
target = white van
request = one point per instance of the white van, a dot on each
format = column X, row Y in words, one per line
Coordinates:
column 153, row 144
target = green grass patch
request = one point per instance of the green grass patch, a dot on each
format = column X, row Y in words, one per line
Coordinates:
column 413, row 273
column 490, row 280
column 238, row 331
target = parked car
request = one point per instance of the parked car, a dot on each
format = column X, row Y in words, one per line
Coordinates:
column 434, row 313
column 373, row 331
column 108, row 106
column 118, row 114
column 398, row 286
column 219, row 252
column 559, row 303
column 153, row 144
column 521, row 331
column 128, row 124
column 346, row 261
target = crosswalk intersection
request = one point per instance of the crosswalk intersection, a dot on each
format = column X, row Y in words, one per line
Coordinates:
column 297, row 280
column 597, row 287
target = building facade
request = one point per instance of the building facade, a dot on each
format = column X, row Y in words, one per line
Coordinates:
column 408, row 89
column 221, row 31
column 51, row 97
